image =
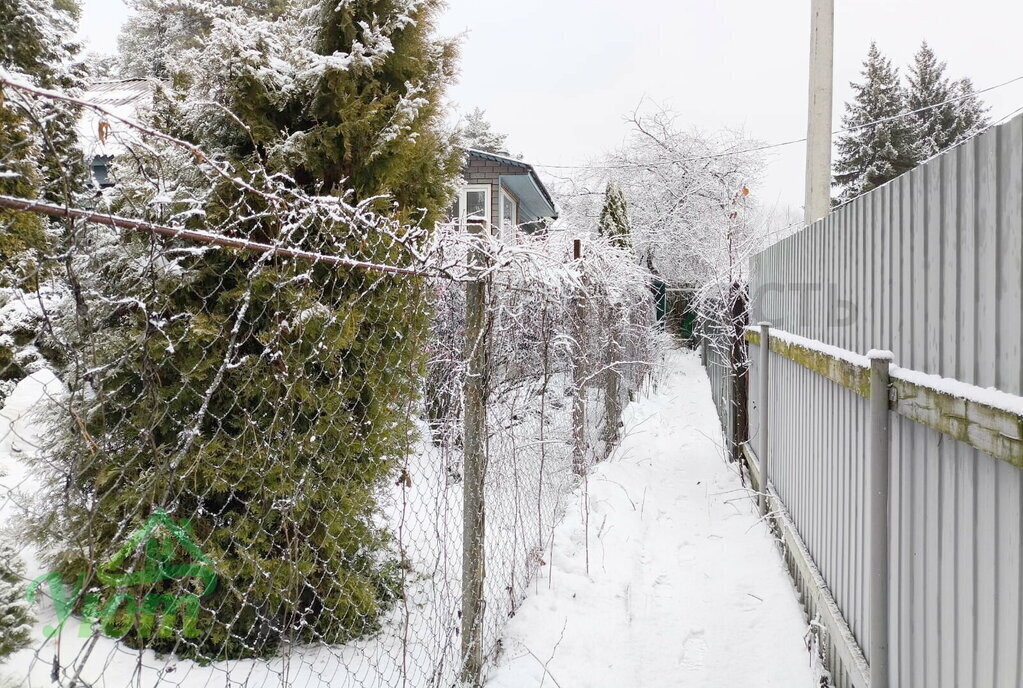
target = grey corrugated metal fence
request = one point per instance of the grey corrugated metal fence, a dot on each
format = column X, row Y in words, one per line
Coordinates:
column 721, row 377
column 930, row 267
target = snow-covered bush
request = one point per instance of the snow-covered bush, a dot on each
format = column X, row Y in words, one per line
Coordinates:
column 550, row 317
column 680, row 189
column 262, row 399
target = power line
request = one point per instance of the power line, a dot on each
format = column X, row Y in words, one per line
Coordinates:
column 1009, row 116
column 770, row 146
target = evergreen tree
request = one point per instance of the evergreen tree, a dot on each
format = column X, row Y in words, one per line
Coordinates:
column 160, row 33
column 15, row 619
column 277, row 458
column 38, row 157
column 928, row 88
column 971, row 112
column 945, row 113
column 477, row 133
column 614, row 217
column 102, row 67
column 880, row 144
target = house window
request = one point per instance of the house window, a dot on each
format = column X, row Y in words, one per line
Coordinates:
column 509, row 214
column 474, row 204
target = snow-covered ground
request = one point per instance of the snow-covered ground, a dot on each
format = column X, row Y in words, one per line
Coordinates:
column 419, row 637
column 685, row 586
column 678, row 582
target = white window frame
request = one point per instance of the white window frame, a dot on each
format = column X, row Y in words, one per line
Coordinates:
column 463, row 204
column 507, row 230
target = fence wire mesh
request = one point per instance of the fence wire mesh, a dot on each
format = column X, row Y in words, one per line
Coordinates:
column 235, row 455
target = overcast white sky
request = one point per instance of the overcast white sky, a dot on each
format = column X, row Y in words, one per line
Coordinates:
column 559, row 75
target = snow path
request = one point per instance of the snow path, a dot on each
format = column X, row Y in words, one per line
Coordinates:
column 685, row 587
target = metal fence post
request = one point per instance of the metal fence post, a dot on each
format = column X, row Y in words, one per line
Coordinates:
column 765, row 414
column 474, row 467
column 880, row 462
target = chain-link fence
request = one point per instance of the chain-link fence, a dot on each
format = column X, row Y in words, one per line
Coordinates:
column 287, row 442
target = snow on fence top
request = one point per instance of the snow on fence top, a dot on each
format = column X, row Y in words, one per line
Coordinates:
column 988, row 419
column 992, row 397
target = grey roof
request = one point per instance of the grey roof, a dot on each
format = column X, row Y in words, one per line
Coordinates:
column 119, row 92
column 552, row 209
column 123, row 98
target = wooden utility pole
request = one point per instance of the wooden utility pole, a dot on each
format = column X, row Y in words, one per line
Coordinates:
column 818, row 136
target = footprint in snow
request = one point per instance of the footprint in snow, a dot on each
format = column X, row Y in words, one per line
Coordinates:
column 694, row 651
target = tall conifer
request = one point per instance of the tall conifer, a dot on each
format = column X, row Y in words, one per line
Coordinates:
column 614, row 217
column 477, row 133
column 927, row 96
column 945, row 113
column 880, row 143
column 971, row 112
column 266, row 401
column 38, row 157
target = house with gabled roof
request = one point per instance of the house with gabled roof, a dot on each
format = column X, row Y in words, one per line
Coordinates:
column 503, row 193
column 498, row 190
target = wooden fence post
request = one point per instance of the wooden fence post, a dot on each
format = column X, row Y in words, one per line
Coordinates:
column 474, row 465
column 579, row 372
column 880, row 462
column 739, row 368
column 765, row 415
column 614, row 373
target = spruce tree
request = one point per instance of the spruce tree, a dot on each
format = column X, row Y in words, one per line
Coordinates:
column 971, row 112
column 945, row 113
column 928, row 89
column 266, row 400
column 614, row 217
column 880, row 143
column 479, row 134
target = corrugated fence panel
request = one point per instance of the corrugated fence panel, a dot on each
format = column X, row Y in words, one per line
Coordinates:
column 931, row 267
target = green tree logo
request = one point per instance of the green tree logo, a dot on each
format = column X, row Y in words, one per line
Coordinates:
column 114, row 606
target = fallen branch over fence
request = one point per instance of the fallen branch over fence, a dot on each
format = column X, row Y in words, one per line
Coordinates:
column 199, row 236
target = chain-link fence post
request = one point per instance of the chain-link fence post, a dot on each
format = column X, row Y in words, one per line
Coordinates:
column 612, row 391
column 579, row 374
column 475, row 464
